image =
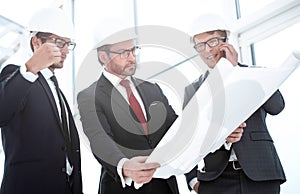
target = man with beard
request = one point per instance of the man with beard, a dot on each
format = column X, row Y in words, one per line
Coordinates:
column 118, row 114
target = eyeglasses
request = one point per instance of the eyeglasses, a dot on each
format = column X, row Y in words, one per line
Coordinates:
column 124, row 54
column 211, row 43
column 61, row 43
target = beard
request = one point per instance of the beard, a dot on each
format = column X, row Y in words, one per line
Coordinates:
column 57, row 65
column 129, row 70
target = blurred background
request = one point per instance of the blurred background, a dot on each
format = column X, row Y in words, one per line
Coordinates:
column 263, row 32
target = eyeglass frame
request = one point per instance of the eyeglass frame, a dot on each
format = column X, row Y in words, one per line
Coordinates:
column 68, row 43
column 204, row 43
column 122, row 53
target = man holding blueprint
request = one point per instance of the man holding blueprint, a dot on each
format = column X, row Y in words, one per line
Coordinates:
column 228, row 95
column 252, row 164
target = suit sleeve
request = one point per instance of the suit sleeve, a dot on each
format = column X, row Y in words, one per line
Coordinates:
column 13, row 90
column 275, row 104
column 191, row 175
column 103, row 147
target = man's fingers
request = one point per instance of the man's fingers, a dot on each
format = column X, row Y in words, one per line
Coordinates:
column 142, row 176
column 140, row 159
column 152, row 165
column 138, row 170
column 145, row 166
column 243, row 125
column 238, row 132
column 143, row 173
column 138, row 164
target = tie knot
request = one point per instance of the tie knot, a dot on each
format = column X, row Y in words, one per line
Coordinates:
column 125, row 83
column 53, row 78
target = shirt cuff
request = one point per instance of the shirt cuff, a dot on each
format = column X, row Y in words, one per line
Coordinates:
column 27, row 75
column 227, row 145
column 124, row 180
column 193, row 183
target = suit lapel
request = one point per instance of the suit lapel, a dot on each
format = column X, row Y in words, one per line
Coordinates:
column 51, row 99
column 72, row 126
column 144, row 94
column 191, row 89
column 109, row 90
column 119, row 103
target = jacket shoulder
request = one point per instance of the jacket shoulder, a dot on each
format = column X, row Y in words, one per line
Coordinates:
column 139, row 81
column 9, row 68
column 89, row 91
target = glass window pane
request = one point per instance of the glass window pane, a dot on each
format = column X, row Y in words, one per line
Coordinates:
column 271, row 52
column 275, row 49
column 248, row 7
column 10, row 33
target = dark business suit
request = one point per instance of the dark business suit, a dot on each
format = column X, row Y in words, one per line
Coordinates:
column 32, row 137
column 115, row 133
column 256, row 154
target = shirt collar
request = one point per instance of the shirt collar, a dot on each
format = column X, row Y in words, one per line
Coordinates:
column 47, row 73
column 115, row 80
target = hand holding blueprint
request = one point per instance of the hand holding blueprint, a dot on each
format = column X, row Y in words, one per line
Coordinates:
column 228, row 97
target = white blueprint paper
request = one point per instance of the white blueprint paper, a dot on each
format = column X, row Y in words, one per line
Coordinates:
column 225, row 100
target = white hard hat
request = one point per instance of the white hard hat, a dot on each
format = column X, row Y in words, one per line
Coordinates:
column 113, row 31
column 208, row 22
column 52, row 20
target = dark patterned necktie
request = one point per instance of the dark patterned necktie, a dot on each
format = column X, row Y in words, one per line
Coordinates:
column 64, row 120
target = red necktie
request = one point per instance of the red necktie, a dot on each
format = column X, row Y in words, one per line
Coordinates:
column 134, row 104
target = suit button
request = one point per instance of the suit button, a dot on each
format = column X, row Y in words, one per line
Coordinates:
column 150, row 143
column 63, row 170
column 77, row 151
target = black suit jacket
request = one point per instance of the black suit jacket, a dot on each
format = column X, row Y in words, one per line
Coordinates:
column 115, row 133
column 32, row 137
column 255, row 151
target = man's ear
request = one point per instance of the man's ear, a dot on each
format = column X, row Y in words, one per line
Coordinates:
column 103, row 57
column 36, row 42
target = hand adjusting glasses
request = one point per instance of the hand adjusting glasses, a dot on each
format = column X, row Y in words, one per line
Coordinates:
column 60, row 43
column 199, row 47
column 124, row 54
